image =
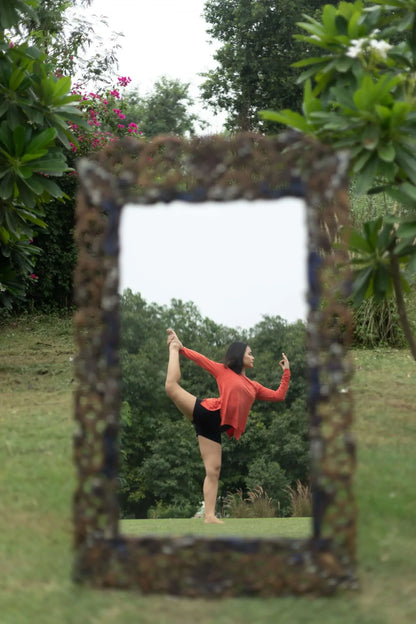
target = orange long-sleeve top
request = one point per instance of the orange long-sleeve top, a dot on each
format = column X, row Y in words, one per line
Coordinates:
column 237, row 392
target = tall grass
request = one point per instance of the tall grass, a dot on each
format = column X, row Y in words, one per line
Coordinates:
column 300, row 500
column 257, row 504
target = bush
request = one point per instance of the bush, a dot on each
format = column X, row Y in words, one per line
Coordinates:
column 376, row 323
column 161, row 510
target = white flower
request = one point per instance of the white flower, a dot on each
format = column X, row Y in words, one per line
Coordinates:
column 357, row 46
column 381, row 46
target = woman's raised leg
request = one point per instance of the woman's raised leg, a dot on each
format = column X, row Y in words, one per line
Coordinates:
column 184, row 400
column 211, row 456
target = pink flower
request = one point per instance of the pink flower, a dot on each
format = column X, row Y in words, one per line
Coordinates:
column 122, row 116
column 124, row 81
column 115, row 93
column 120, row 126
column 11, row 44
column 34, row 277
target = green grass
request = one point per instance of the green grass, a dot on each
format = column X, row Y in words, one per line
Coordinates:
column 37, row 480
column 247, row 527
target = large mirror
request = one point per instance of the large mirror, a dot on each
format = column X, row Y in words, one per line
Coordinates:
column 297, row 177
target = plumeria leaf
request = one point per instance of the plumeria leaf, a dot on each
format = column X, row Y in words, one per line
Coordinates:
column 357, row 242
column 42, row 140
column 405, row 248
column 287, row 117
column 19, row 140
column 6, row 187
column 312, row 61
column 362, row 160
column 386, row 152
column 361, row 285
column 366, row 176
column 381, row 281
column 28, row 157
column 371, row 230
column 407, row 229
column 371, row 137
column 400, row 196
column 34, row 184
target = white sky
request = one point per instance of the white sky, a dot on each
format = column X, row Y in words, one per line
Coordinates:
column 162, row 248
column 235, row 261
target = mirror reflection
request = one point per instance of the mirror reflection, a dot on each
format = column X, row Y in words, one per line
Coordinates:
column 217, row 274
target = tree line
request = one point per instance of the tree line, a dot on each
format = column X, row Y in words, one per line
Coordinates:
column 161, row 469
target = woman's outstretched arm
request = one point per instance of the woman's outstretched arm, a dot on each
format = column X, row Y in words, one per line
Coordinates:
column 199, row 359
column 266, row 394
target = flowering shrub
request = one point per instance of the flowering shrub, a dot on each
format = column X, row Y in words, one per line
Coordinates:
column 106, row 115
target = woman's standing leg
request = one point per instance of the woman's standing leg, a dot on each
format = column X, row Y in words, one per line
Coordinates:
column 211, row 456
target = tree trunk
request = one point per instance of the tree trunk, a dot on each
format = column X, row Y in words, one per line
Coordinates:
column 401, row 307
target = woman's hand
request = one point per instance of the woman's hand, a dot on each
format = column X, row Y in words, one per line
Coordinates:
column 284, row 363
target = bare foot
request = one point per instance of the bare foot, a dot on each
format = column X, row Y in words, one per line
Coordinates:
column 213, row 520
column 172, row 337
column 175, row 344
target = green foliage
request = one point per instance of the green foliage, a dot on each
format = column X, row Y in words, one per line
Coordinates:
column 71, row 42
column 254, row 60
column 55, row 264
column 359, row 96
column 12, row 11
column 161, row 464
column 165, row 110
column 35, row 109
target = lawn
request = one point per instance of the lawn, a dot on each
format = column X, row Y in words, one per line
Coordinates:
column 37, row 480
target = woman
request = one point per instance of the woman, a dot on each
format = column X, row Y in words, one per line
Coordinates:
column 228, row 412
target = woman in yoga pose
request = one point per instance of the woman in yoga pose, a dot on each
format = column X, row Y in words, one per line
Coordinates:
column 228, row 412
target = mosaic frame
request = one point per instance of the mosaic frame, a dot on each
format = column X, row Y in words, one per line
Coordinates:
column 219, row 168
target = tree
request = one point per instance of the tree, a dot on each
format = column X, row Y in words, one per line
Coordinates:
column 35, row 109
column 67, row 39
column 360, row 96
column 39, row 272
column 254, row 61
column 165, row 110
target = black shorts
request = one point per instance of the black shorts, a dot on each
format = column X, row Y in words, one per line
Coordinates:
column 207, row 423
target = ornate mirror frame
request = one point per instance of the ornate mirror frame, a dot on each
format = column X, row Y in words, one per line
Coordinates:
column 247, row 166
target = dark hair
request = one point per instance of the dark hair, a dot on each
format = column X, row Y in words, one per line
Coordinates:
column 234, row 357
